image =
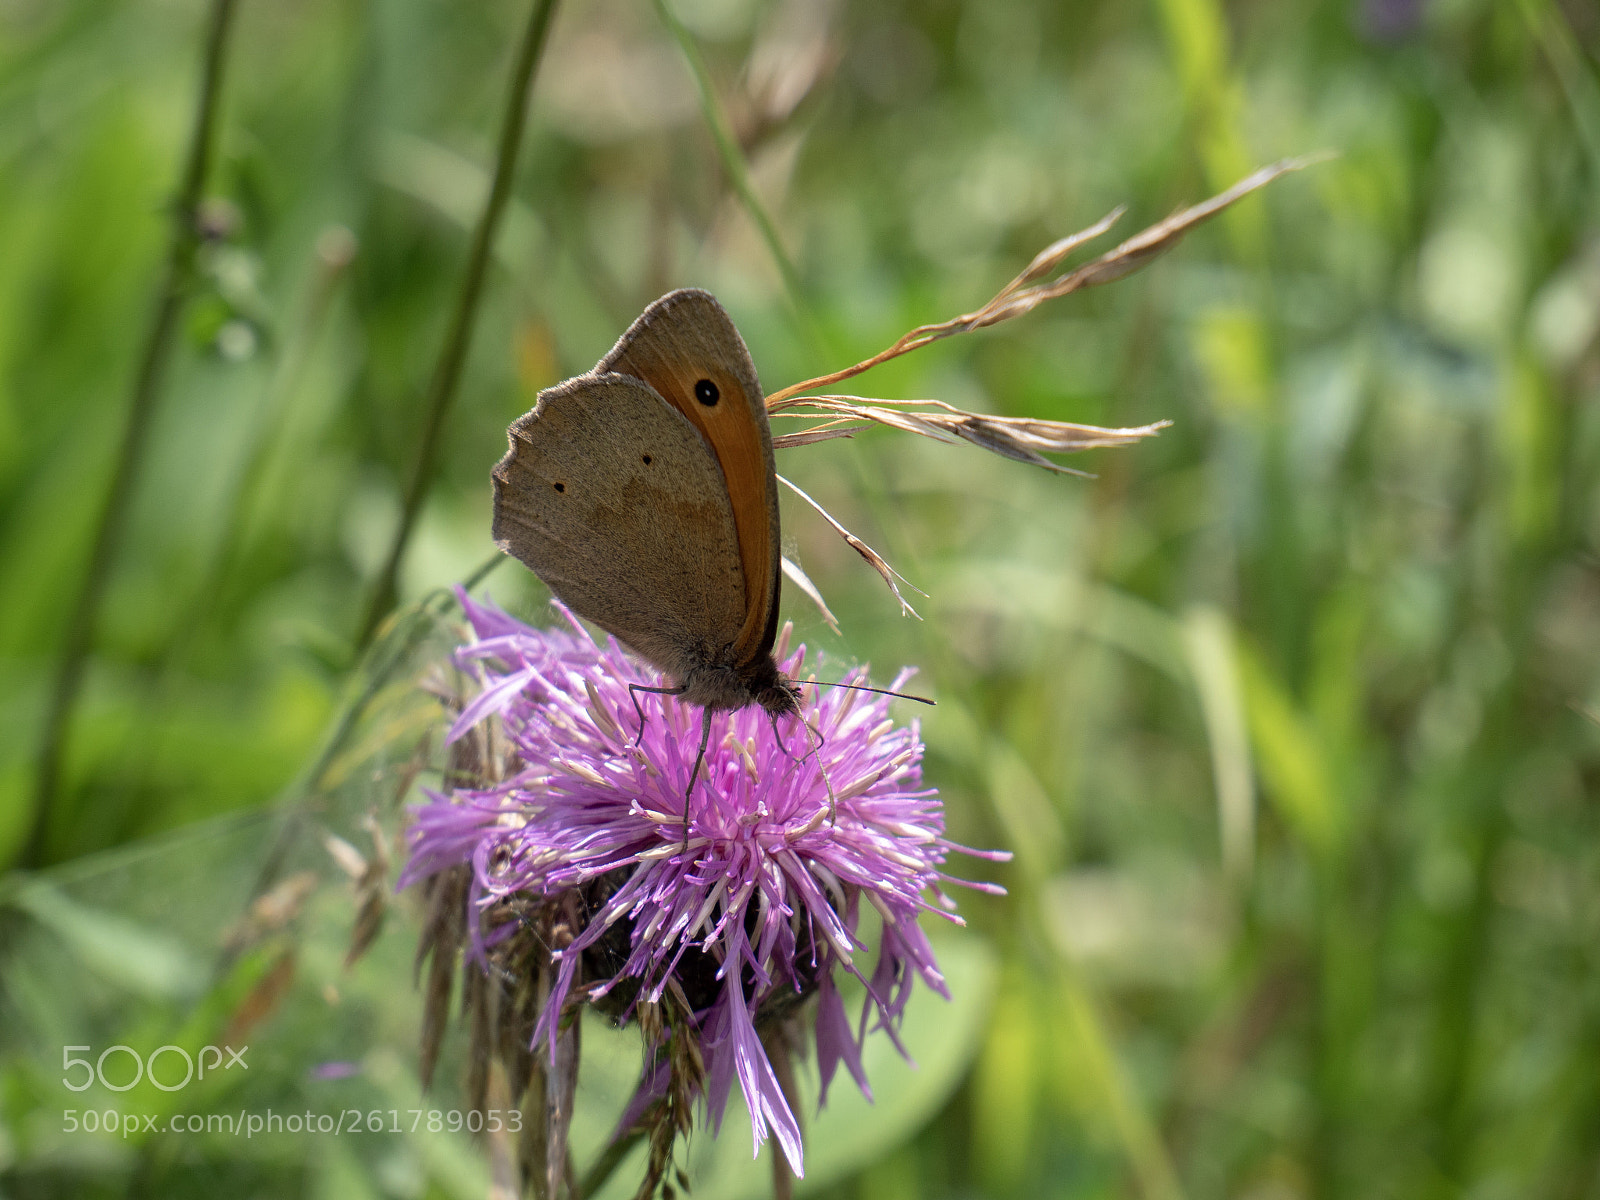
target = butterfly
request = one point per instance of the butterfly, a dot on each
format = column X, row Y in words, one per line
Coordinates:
column 643, row 494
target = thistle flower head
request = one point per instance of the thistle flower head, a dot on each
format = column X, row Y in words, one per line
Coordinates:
column 750, row 906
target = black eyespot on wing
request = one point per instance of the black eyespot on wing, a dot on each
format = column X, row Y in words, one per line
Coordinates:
column 647, row 460
column 706, row 392
column 561, row 487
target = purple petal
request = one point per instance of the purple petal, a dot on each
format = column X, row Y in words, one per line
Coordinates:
column 770, row 877
column 492, row 699
column 335, row 1070
column 488, row 620
column 835, row 1042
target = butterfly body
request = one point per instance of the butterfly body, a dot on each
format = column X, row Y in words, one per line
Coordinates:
column 643, row 494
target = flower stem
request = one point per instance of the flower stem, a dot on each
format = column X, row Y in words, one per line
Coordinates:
column 311, row 790
column 732, row 156
column 610, row 1159
column 446, row 378
column 776, row 1045
column 177, row 276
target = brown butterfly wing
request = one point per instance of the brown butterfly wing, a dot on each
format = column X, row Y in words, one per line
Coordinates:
column 613, row 498
column 686, row 337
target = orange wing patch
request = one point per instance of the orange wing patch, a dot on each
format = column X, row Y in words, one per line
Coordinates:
column 677, row 358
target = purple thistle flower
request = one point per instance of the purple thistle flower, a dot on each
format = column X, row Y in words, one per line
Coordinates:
column 760, row 905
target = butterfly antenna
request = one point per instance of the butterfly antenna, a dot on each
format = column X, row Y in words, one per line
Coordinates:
column 861, row 687
column 633, row 694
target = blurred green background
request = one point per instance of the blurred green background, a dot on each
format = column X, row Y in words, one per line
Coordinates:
column 1289, row 714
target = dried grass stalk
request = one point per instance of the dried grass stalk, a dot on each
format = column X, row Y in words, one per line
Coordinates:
column 1023, row 294
column 370, row 879
column 797, row 576
column 867, row 552
column 1022, row 439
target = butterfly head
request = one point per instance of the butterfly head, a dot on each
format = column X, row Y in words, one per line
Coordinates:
column 724, row 686
column 780, row 695
column 761, row 682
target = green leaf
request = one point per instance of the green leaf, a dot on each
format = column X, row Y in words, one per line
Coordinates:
column 128, row 953
column 1292, row 758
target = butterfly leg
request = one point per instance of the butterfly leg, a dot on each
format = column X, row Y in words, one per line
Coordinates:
column 822, row 769
column 694, row 771
column 633, row 694
column 772, row 719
